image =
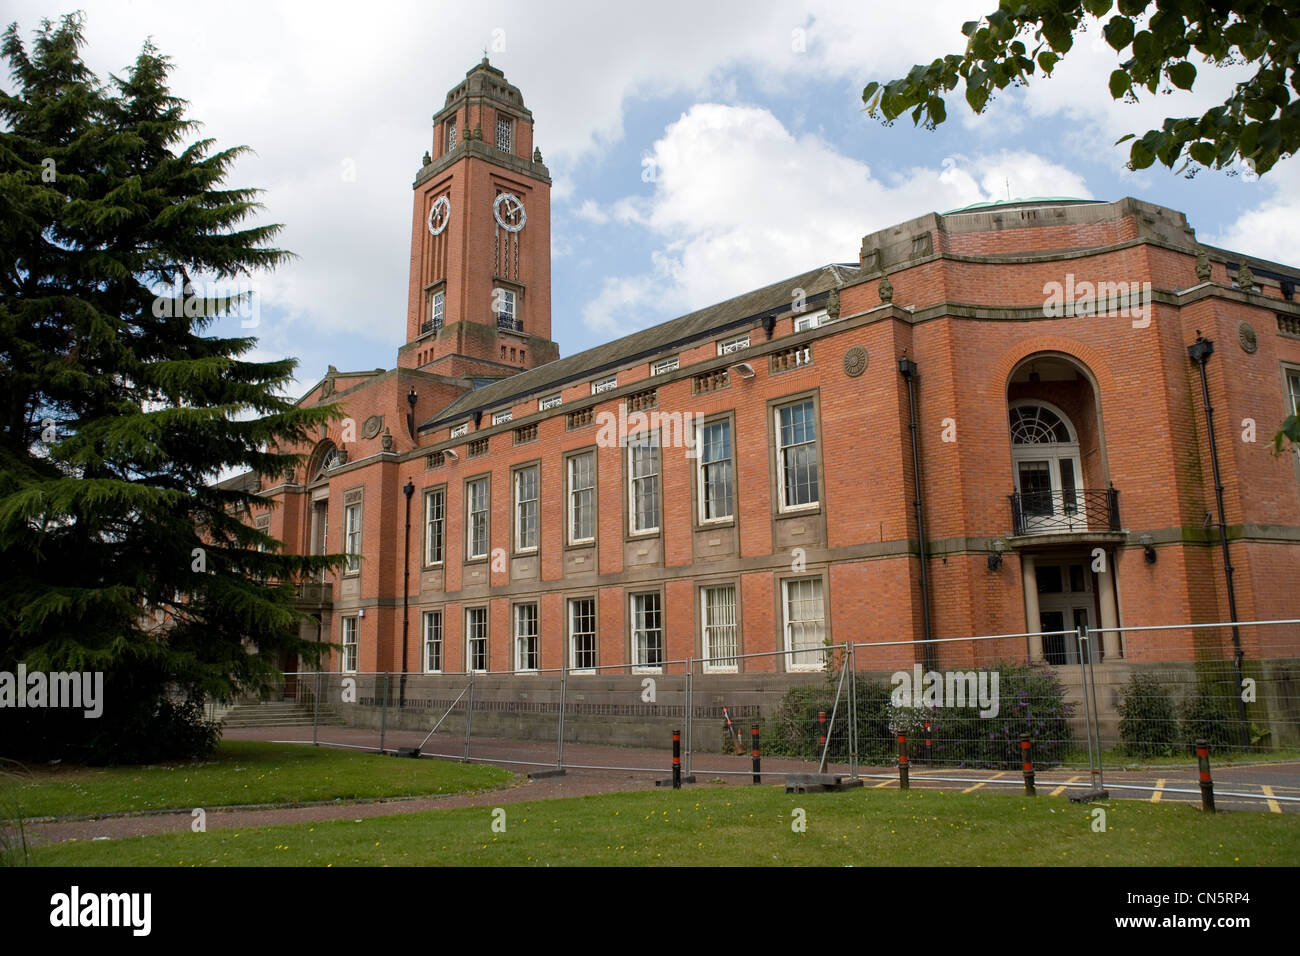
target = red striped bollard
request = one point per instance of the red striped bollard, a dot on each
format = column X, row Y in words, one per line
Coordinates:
column 902, row 762
column 1027, row 763
column 753, row 733
column 677, row 760
column 1207, row 785
column 821, row 733
column 929, row 754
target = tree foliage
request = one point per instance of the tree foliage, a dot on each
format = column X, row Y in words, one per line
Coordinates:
column 1157, row 41
column 118, row 551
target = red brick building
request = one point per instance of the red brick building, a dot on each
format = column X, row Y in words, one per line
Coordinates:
column 744, row 478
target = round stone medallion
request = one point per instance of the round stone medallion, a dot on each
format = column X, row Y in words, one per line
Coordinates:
column 1247, row 337
column 855, row 361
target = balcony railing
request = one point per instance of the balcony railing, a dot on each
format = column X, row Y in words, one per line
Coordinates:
column 433, row 325
column 1065, row 512
column 313, row 594
column 508, row 322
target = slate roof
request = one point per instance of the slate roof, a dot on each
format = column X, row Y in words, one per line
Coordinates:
column 740, row 312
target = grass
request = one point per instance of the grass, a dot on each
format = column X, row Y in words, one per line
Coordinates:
column 241, row 772
column 736, row 826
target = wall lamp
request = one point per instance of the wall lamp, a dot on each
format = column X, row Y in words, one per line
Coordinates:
column 450, row 453
column 995, row 559
column 1146, row 541
column 743, row 369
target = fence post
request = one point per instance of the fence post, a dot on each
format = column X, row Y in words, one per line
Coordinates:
column 1096, row 711
column 559, row 737
column 383, row 715
column 1027, row 764
column 758, row 776
column 469, row 716
column 853, row 712
column 677, row 760
column 315, row 711
column 1207, row 785
column 903, row 783
column 690, row 710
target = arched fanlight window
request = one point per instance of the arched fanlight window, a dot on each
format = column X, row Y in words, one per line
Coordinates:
column 325, row 457
column 1037, row 425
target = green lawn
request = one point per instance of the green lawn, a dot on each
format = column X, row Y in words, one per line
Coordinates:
column 736, row 827
column 241, row 772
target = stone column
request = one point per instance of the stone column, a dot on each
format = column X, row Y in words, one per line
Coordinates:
column 1029, row 580
column 1109, row 612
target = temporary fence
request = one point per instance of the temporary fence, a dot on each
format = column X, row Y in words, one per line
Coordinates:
column 1083, row 701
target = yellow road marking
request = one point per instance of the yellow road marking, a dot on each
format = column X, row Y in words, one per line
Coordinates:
column 1061, row 789
column 1001, row 773
column 1272, row 804
column 1160, row 786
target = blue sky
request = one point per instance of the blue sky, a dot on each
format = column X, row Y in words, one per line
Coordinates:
column 750, row 117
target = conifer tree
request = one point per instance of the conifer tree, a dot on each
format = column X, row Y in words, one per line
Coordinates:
column 118, row 410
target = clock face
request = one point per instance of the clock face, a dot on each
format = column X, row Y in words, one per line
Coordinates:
column 509, row 211
column 439, row 215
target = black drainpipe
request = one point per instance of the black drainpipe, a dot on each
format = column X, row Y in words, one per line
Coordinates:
column 907, row 368
column 1200, row 352
column 408, row 490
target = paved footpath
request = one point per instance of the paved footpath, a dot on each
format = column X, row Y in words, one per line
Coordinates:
column 594, row 770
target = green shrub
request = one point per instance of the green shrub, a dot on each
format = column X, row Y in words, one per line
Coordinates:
column 1147, row 724
column 1209, row 713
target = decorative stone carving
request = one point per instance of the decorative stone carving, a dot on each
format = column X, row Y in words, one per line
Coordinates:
column 427, row 158
column 478, row 131
column 833, row 304
column 371, row 426
column 886, row 290
column 537, row 155
column 1245, row 278
column 1247, row 338
column 1203, row 268
column 386, row 440
column 855, row 361
column 468, row 134
column 327, row 388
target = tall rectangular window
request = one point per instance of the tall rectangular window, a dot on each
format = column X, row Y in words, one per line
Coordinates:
column 715, row 484
column 582, row 634
column 647, row 631
column 805, row 624
column 476, row 519
column 1293, row 388
column 451, row 135
column 350, row 645
column 719, row 640
column 527, row 650
column 526, row 509
column 352, row 536
column 503, row 301
column 582, row 498
column 435, row 524
column 643, row 482
column 476, row 638
column 796, row 430
column 505, row 133
column 437, row 309
column 433, row 642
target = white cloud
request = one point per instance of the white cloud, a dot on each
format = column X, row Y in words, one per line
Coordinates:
column 724, row 225
column 1271, row 228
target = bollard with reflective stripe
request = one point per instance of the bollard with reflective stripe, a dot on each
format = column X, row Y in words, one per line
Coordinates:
column 821, row 733
column 1027, row 764
column 929, row 754
column 1207, row 785
column 902, row 762
column 758, row 776
column 677, row 760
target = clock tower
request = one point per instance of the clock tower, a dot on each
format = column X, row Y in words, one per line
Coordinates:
column 479, row 302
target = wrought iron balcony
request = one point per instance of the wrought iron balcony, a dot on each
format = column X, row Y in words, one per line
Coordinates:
column 1065, row 512
column 508, row 322
column 433, row 325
